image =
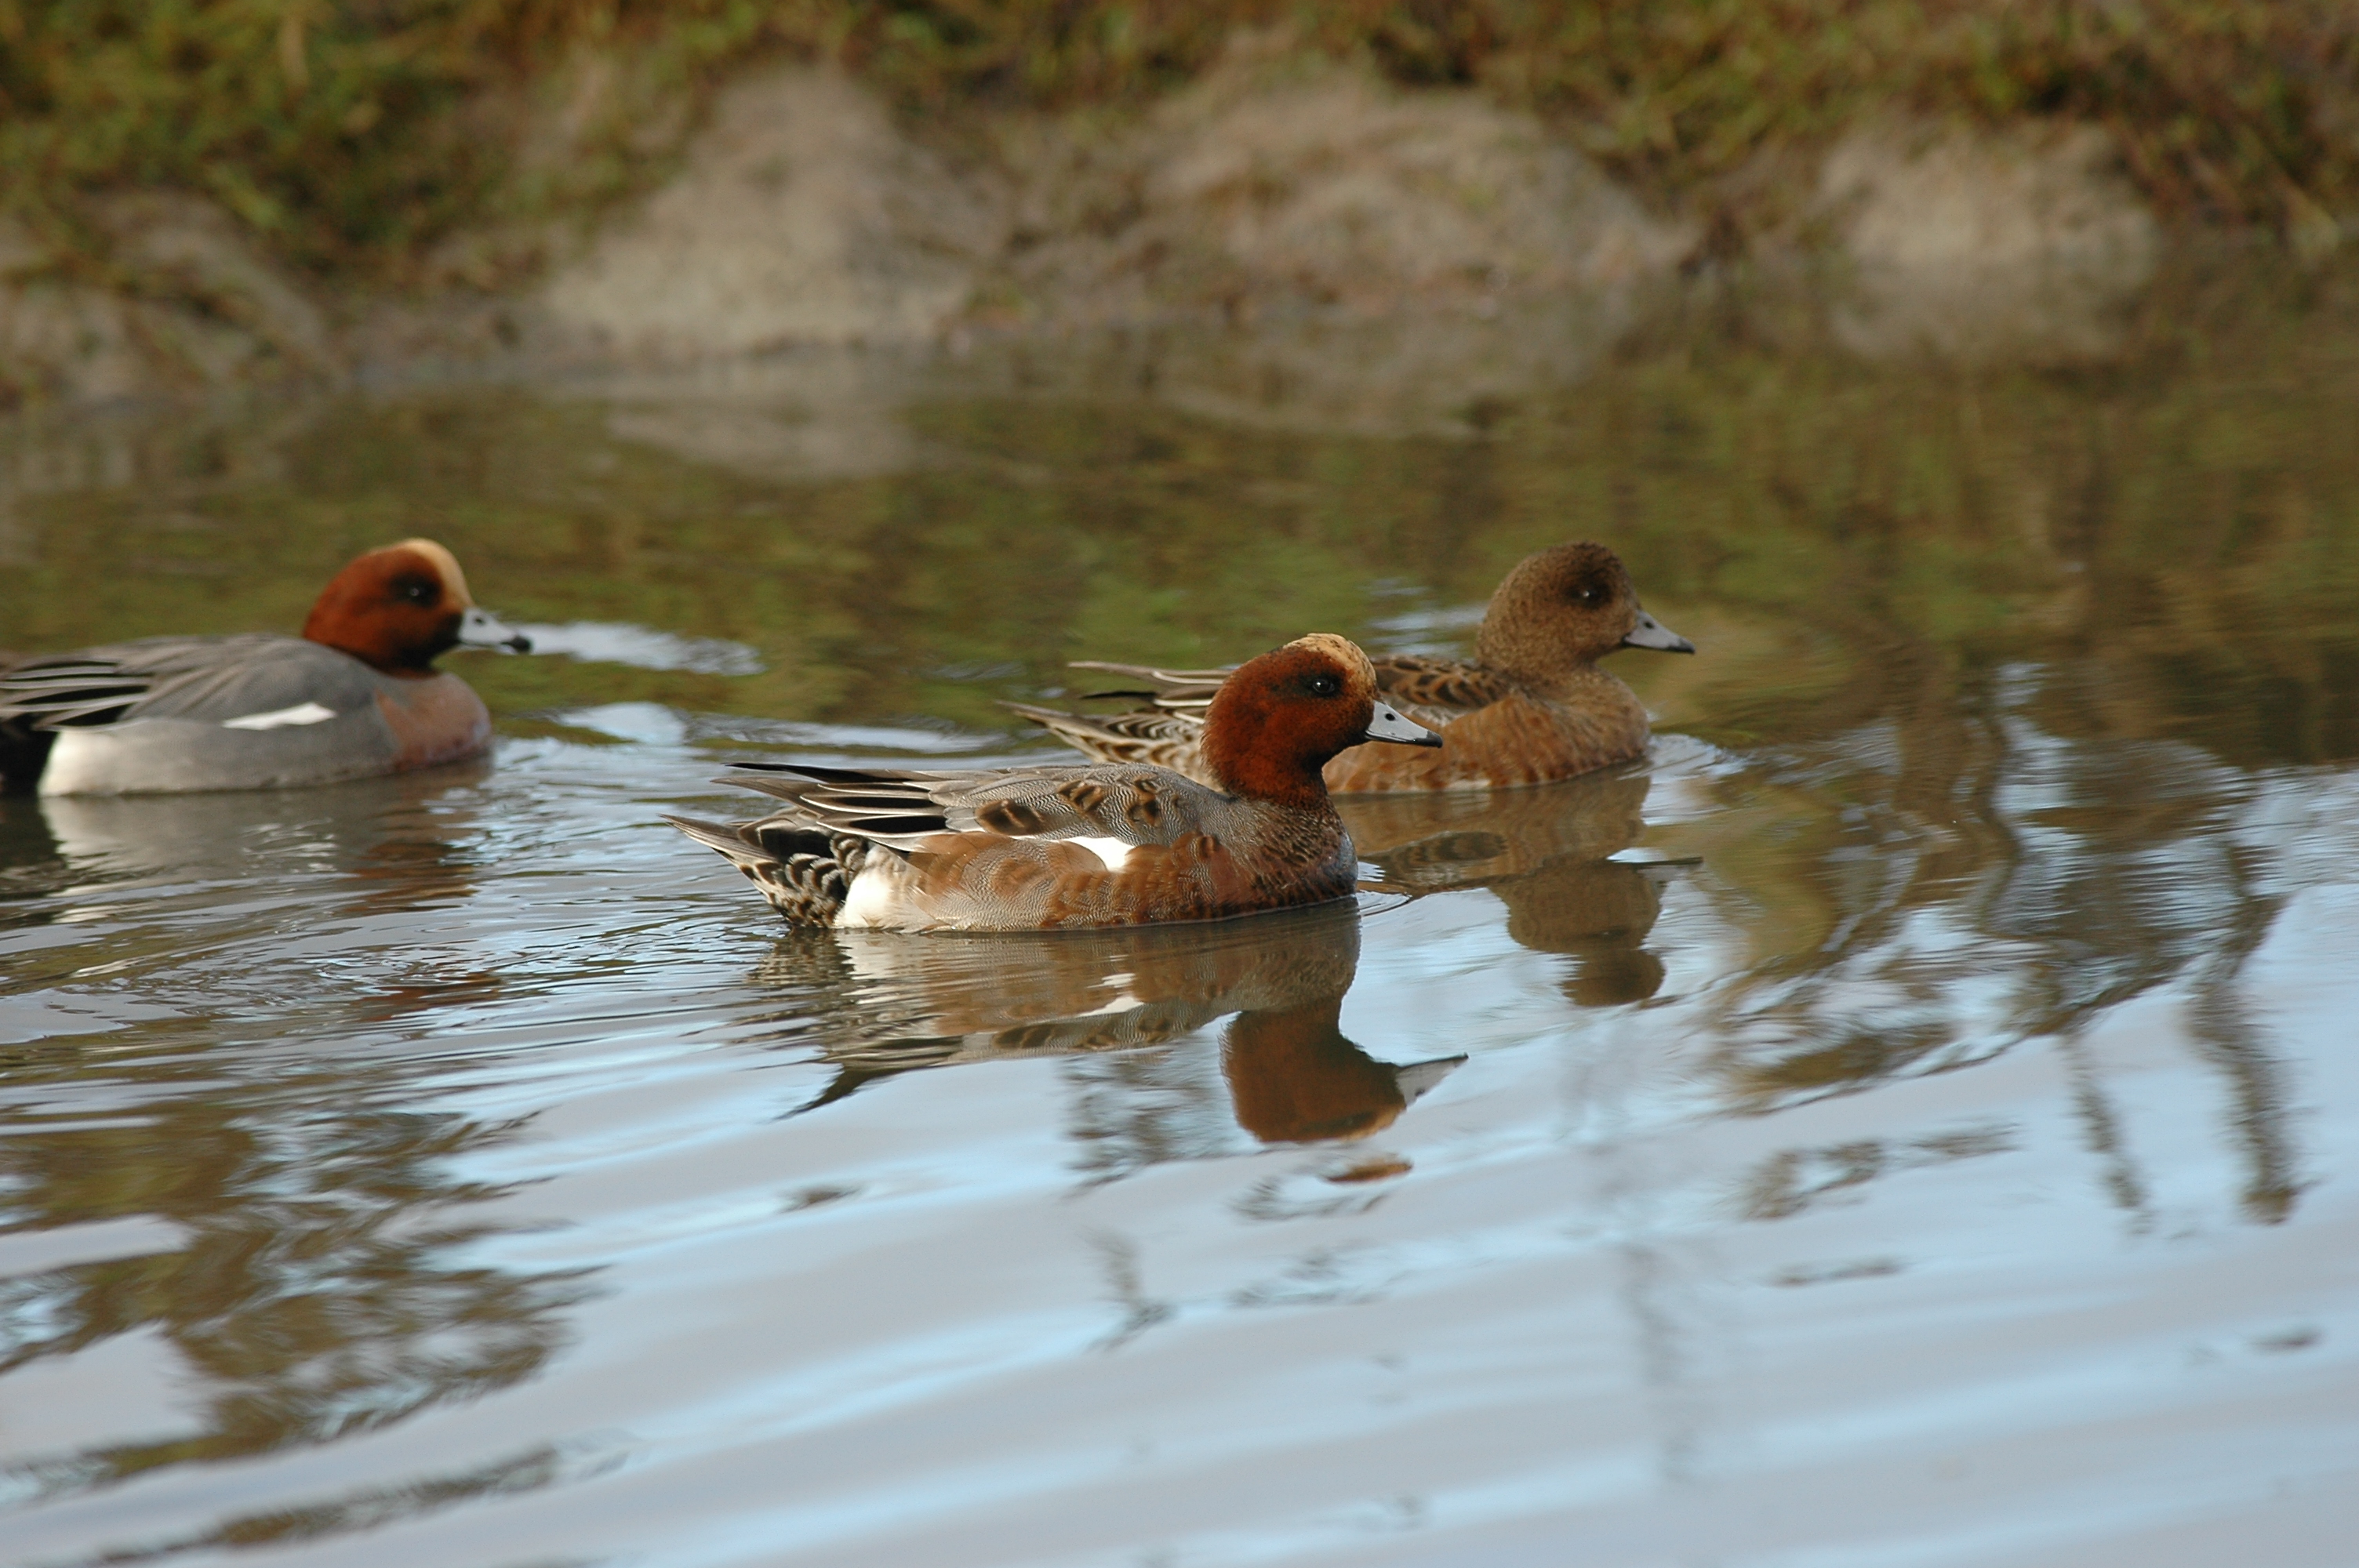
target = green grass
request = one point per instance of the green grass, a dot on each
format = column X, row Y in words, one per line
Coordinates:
column 349, row 135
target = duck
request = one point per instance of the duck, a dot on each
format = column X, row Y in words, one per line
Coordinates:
column 355, row 695
column 1531, row 707
column 1091, row 846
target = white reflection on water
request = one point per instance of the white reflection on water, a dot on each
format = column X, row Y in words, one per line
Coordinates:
column 620, row 642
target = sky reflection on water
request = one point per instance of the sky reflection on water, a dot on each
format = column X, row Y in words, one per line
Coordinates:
column 1904, row 1122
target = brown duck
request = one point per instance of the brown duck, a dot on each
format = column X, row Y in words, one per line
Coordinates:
column 1532, row 706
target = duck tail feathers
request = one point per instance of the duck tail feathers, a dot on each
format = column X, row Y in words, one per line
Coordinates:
column 1074, row 728
column 1098, row 738
column 802, row 871
column 716, row 836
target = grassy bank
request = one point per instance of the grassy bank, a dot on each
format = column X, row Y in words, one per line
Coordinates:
column 350, row 133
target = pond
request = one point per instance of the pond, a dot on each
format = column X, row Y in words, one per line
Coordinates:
column 1909, row 1118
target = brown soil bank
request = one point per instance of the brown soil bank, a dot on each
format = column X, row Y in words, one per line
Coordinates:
column 1491, row 191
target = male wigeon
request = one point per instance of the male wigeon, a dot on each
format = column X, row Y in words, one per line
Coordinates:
column 356, row 695
column 1533, row 706
column 1048, row 848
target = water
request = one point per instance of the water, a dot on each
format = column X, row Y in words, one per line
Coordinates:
column 1907, row 1121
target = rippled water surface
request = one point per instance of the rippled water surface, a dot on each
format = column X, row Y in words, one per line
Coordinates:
column 1911, row 1120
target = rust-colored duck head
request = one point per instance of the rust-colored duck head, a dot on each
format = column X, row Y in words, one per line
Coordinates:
column 1294, row 1078
column 1565, row 607
column 399, row 609
column 1276, row 722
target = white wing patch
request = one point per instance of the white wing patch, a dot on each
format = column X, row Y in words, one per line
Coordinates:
column 1123, row 1001
column 1113, row 851
column 280, row 718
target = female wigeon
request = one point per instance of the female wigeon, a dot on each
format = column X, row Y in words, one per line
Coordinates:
column 1533, row 706
column 1049, row 848
column 356, row 695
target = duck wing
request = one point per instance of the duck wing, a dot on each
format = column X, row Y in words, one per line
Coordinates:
column 901, row 807
column 1147, row 736
column 1164, row 734
column 1430, row 690
column 216, row 680
column 1187, row 692
column 70, row 689
column 1436, row 691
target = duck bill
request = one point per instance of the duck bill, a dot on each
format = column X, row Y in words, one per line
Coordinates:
column 1652, row 633
column 479, row 630
column 1388, row 725
column 1419, row 1076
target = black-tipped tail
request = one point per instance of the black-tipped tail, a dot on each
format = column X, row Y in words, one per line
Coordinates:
column 799, row 870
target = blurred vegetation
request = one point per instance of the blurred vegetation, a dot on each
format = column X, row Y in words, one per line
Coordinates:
column 349, row 134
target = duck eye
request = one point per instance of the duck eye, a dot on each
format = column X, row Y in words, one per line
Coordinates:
column 418, row 591
column 1324, row 686
column 1590, row 595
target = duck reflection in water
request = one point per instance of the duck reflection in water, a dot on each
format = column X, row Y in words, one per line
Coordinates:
column 1543, row 852
column 892, row 1003
column 403, row 848
column 388, row 830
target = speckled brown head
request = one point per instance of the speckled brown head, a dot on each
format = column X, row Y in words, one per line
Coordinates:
column 399, row 609
column 1276, row 722
column 1562, row 609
